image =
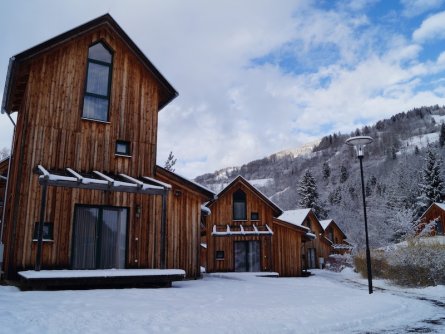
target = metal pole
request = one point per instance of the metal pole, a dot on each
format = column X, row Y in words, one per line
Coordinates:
column 368, row 254
column 40, row 228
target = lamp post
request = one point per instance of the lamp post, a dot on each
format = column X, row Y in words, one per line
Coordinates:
column 359, row 143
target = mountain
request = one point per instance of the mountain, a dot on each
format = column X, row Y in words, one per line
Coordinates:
column 392, row 165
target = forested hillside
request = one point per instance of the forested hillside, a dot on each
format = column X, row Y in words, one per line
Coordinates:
column 393, row 174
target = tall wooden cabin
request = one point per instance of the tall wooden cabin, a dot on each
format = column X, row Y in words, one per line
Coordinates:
column 436, row 212
column 239, row 229
column 82, row 190
column 336, row 238
column 315, row 248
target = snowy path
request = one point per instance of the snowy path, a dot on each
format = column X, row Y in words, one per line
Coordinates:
column 241, row 303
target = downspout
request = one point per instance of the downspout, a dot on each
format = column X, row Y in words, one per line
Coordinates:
column 5, row 198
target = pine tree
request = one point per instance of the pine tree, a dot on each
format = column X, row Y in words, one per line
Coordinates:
column 309, row 195
column 442, row 135
column 432, row 185
column 326, row 171
column 308, row 190
column 170, row 162
column 343, row 174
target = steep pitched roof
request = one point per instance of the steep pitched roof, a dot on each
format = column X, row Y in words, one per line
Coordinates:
column 186, row 182
column 14, row 84
column 325, row 224
column 295, row 217
column 239, row 179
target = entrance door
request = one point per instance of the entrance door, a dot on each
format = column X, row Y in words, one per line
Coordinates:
column 99, row 237
column 247, row 256
column 311, row 258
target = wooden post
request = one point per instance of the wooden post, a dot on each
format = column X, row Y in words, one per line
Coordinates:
column 163, row 230
column 40, row 227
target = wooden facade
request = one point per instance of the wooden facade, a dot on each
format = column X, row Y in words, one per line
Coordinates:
column 314, row 248
column 288, row 241
column 46, row 87
column 436, row 212
column 183, row 221
column 335, row 238
column 230, row 239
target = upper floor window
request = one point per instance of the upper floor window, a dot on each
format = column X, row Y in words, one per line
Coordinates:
column 239, row 205
column 98, row 83
column 123, row 147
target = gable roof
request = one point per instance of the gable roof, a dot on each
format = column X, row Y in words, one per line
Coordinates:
column 186, row 182
column 13, row 83
column 295, row 217
column 239, row 179
column 439, row 205
column 325, row 224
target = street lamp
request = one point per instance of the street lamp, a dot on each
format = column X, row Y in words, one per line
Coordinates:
column 359, row 143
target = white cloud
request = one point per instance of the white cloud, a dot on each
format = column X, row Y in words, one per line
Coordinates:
column 418, row 7
column 431, row 28
column 342, row 68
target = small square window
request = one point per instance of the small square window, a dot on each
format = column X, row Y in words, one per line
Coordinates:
column 47, row 231
column 123, row 147
column 254, row 216
column 219, row 255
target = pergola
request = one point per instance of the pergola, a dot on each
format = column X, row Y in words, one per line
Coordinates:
column 99, row 181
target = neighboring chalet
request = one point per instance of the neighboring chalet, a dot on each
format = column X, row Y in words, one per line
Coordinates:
column 243, row 234
column 239, row 229
column 436, row 212
column 3, row 176
column 84, row 191
column 336, row 237
column 314, row 251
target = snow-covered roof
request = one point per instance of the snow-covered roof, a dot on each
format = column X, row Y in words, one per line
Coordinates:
column 440, row 205
column 325, row 223
column 295, row 217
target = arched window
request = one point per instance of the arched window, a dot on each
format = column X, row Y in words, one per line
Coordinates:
column 98, row 83
column 239, row 205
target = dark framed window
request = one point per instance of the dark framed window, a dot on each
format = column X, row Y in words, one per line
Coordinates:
column 123, row 147
column 219, row 255
column 98, row 83
column 48, row 233
column 331, row 234
column 239, row 205
column 254, row 216
column 439, row 227
column 308, row 224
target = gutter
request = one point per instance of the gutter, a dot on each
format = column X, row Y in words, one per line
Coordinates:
column 6, row 92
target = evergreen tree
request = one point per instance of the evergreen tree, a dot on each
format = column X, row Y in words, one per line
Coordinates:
column 309, row 195
column 442, row 135
column 343, row 174
column 307, row 190
column 432, row 185
column 170, row 162
column 326, row 171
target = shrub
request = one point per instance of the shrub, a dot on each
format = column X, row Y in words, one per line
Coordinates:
column 337, row 262
column 414, row 265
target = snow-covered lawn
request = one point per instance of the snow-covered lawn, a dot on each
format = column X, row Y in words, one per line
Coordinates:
column 231, row 303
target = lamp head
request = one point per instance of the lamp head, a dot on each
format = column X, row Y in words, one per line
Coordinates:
column 359, row 143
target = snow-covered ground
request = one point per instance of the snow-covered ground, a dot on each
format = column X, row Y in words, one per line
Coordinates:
column 326, row 302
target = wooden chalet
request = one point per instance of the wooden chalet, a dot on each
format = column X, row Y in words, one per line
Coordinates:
column 83, row 189
column 238, row 232
column 184, row 216
column 336, row 237
column 436, row 213
column 287, row 245
column 315, row 246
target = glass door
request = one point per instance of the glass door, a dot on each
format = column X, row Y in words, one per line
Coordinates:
column 99, row 237
column 247, row 256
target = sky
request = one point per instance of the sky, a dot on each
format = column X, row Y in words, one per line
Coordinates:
column 259, row 76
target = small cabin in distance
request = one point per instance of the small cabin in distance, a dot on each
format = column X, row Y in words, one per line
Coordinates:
column 336, row 238
column 435, row 213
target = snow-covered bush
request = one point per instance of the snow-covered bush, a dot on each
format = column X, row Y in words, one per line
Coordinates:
column 414, row 263
column 418, row 264
column 338, row 262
